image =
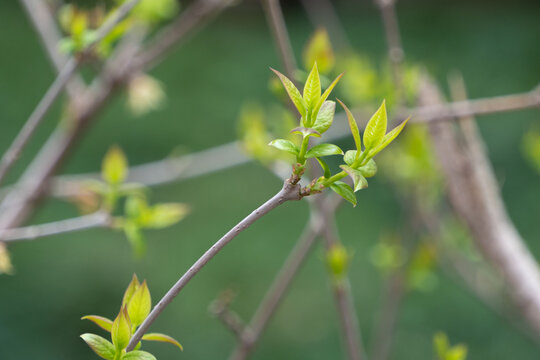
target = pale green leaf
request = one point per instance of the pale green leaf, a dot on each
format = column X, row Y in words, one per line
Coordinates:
column 376, row 128
column 323, row 150
column 293, row 92
column 350, row 157
column 138, row 355
column 354, row 127
column 115, row 167
column 285, row 145
column 359, row 180
column 121, row 330
column 139, row 306
column 132, row 287
column 388, row 138
column 368, row 170
column 325, row 167
column 344, row 190
column 162, row 338
column 325, row 117
column 440, row 344
column 102, row 322
column 102, row 347
column 319, row 49
column 325, row 95
column 458, row 352
column 135, row 207
column 164, row 215
column 312, row 92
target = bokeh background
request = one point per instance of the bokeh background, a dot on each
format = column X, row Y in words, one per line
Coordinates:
column 495, row 44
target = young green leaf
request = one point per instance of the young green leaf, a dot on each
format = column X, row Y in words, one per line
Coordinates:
column 285, row 145
column 368, row 170
column 312, row 92
column 360, row 181
column 163, row 215
column 162, row 338
column 100, row 321
column 457, row 352
column 325, row 167
column 293, row 92
column 135, row 207
column 325, row 117
column 132, row 287
column 388, row 138
column 349, row 157
column 138, row 355
column 114, row 168
column 121, row 330
column 354, row 127
column 319, row 49
column 102, row 347
column 139, row 306
column 323, row 150
column 325, row 95
column 344, row 191
column 376, row 128
column 441, row 345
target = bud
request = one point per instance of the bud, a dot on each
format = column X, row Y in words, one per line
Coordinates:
column 145, row 94
column 337, row 260
column 5, row 261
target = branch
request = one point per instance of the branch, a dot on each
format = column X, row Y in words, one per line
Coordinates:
column 274, row 16
column 343, row 297
column 282, row 282
column 289, row 192
column 97, row 219
column 219, row 308
column 474, row 195
column 50, row 35
column 323, row 12
column 393, row 41
column 195, row 16
column 35, row 179
column 56, row 88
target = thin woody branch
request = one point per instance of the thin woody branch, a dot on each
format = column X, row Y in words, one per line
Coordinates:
column 474, row 195
column 56, row 88
column 50, row 35
column 343, row 296
column 282, row 281
column 289, row 192
column 32, row 185
column 95, row 220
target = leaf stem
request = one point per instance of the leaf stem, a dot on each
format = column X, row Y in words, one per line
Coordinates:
column 303, row 149
column 332, row 179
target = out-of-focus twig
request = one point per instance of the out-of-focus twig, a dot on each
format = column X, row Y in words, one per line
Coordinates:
column 56, row 88
column 474, row 194
column 393, row 40
column 190, row 20
column 343, row 294
column 276, row 22
column 118, row 71
column 50, row 35
column 98, row 219
column 323, row 13
column 282, row 281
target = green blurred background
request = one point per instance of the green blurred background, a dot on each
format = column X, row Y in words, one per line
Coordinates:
column 495, row 44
